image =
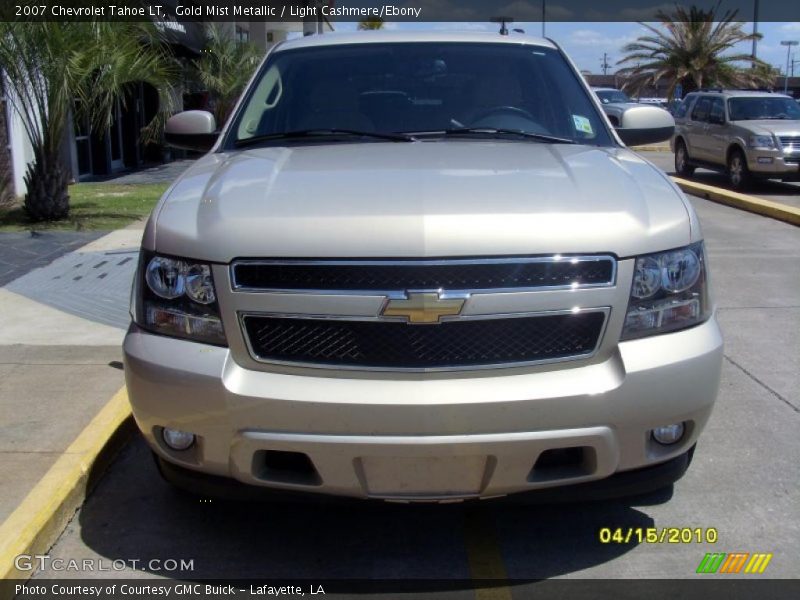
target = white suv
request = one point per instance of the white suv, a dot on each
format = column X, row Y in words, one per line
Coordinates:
column 743, row 133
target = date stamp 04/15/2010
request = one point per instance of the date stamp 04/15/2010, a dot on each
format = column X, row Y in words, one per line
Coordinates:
column 658, row 535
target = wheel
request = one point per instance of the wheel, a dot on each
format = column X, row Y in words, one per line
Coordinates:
column 738, row 174
column 682, row 166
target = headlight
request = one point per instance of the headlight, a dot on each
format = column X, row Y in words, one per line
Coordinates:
column 669, row 292
column 165, row 277
column 764, row 142
column 176, row 297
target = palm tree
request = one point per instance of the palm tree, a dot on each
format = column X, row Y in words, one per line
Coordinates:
column 690, row 49
column 224, row 68
column 55, row 69
column 371, row 24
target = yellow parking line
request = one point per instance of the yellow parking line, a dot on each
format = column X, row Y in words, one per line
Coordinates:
column 484, row 556
column 40, row 518
column 768, row 208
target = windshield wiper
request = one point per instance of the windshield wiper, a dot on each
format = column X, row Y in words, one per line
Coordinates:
column 323, row 132
column 498, row 131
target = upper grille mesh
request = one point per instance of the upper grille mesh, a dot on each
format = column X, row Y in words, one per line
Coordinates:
column 396, row 275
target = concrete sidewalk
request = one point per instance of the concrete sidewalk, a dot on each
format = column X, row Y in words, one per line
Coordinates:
column 61, row 326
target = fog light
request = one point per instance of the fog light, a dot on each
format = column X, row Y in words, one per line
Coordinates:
column 177, row 440
column 669, row 434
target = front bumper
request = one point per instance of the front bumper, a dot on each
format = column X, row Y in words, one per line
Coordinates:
column 427, row 438
column 774, row 164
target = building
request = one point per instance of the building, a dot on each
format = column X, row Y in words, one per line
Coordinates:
column 97, row 154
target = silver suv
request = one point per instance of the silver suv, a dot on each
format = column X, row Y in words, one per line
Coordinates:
column 743, row 133
column 422, row 267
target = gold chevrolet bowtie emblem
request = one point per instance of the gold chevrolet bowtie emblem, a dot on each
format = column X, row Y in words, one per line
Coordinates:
column 423, row 307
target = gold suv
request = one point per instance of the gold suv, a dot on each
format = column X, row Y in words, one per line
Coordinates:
column 422, row 267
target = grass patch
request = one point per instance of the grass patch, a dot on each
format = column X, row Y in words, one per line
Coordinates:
column 98, row 206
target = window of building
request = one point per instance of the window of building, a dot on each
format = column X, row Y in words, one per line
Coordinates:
column 242, row 34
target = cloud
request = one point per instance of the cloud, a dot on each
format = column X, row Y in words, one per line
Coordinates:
column 597, row 39
column 464, row 26
column 791, row 27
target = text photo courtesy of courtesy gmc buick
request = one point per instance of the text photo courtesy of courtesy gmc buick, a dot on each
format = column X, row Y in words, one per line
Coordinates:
column 422, row 267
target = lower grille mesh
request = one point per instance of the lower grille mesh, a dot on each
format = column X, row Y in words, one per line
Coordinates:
column 398, row 345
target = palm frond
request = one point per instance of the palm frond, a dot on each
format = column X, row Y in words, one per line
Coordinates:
column 691, row 47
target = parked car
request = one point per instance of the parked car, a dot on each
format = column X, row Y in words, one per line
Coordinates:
column 745, row 134
column 660, row 102
column 673, row 105
column 422, row 267
column 612, row 96
column 614, row 103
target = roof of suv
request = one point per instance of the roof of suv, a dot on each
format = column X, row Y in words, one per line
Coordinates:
column 738, row 93
column 374, row 37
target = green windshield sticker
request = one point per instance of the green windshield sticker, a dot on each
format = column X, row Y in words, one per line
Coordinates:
column 582, row 124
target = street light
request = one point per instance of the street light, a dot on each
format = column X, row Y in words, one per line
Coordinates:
column 788, row 44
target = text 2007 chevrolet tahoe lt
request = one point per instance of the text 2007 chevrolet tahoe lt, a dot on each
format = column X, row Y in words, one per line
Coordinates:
column 422, row 268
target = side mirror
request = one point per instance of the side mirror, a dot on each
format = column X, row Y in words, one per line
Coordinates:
column 194, row 130
column 641, row 125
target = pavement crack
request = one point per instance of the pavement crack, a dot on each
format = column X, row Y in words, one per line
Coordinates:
column 762, row 384
column 756, row 307
column 56, row 364
column 45, row 452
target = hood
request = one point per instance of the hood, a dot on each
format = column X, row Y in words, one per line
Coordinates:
column 424, row 199
column 770, row 126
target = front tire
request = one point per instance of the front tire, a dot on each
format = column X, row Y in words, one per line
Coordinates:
column 738, row 173
column 682, row 166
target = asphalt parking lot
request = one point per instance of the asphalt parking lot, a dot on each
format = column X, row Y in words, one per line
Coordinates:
column 743, row 482
column 769, row 189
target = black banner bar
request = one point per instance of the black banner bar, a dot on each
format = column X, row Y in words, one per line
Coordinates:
column 731, row 587
column 386, row 10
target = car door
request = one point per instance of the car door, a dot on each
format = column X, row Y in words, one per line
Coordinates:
column 696, row 142
column 716, row 134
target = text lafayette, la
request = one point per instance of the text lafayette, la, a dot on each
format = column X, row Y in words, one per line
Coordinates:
column 165, row 590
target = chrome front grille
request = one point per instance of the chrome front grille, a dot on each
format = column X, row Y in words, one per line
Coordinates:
column 790, row 142
column 423, row 315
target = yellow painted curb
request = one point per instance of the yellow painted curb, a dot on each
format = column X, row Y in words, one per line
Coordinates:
column 40, row 518
column 768, row 208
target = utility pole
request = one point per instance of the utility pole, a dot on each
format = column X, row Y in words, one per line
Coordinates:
column 794, row 62
column 788, row 44
column 755, row 31
column 544, row 15
column 606, row 65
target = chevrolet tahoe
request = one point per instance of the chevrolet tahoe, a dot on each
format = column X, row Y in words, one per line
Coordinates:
column 422, row 267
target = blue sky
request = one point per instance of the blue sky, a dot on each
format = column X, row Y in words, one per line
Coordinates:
column 586, row 42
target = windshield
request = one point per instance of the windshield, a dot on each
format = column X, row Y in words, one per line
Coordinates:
column 751, row 109
column 612, row 96
column 416, row 88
